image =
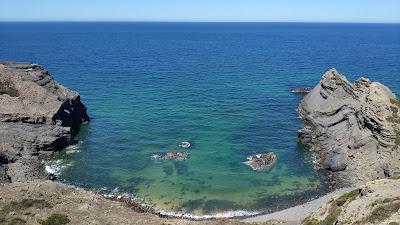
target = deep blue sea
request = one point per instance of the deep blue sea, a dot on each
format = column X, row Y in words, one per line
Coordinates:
column 225, row 87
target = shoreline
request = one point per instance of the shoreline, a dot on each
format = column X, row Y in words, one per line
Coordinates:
column 139, row 205
column 88, row 207
column 129, row 205
column 291, row 214
column 295, row 214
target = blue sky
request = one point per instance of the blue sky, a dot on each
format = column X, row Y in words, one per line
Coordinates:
column 378, row 11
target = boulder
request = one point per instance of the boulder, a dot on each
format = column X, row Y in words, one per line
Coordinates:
column 261, row 162
column 353, row 129
column 302, row 90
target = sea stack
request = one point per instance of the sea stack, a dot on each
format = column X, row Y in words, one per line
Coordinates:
column 353, row 129
column 38, row 116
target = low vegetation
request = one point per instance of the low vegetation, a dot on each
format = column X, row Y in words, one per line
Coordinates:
column 395, row 101
column 395, row 118
column 310, row 221
column 2, row 218
column 334, row 210
column 348, row 197
column 55, row 219
column 395, row 108
column 383, row 211
column 26, row 203
column 397, row 141
column 21, row 207
column 6, row 88
column 16, row 221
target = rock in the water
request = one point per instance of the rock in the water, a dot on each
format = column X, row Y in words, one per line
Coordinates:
column 37, row 117
column 185, row 144
column 180, row 156
column 353, row 128
column 303, row 90
column 70, row 151
column 262, row 162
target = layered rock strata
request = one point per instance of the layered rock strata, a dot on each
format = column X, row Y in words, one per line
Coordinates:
column 353, row 129
column 37, row 117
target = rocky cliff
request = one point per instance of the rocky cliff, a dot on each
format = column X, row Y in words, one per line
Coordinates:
column 37, row 117
column 353, row 129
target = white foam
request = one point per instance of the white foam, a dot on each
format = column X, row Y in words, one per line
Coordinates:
column 156, row 157
column 74, row 147
column 222, row 215
column 55, row 167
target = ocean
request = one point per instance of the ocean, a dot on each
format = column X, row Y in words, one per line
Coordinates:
column 224, row 87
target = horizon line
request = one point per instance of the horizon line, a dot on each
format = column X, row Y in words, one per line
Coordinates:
column 184, row 21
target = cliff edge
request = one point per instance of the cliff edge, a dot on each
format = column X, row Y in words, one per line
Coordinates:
column 353, row 129
column 37, row 117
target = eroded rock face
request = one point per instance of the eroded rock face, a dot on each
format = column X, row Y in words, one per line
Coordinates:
column 352, row 128
column 37, row 116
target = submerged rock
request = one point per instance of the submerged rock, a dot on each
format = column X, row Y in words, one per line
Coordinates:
column 37, row 117
column 71, row 151
column 261, row 162
column 353, row 128
column 304, row 90
column 180, row 156
column 185, row 144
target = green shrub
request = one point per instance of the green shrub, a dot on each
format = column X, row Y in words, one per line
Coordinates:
column 378, row 213
column 2, row 217
column 6, row 88
column 332, row 217
column 310, row 221
column 17, row 221
column 397, row 141
column 393, row 223
column 55, row 219
column 27, row 203
column 36, row 203
column 348, row 197
column 381, row 212
column 395, row 101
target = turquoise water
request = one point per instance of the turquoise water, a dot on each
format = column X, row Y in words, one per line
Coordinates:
column 225, row 87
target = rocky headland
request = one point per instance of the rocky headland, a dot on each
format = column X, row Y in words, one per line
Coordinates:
column 353, row 129
column 38, row 116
